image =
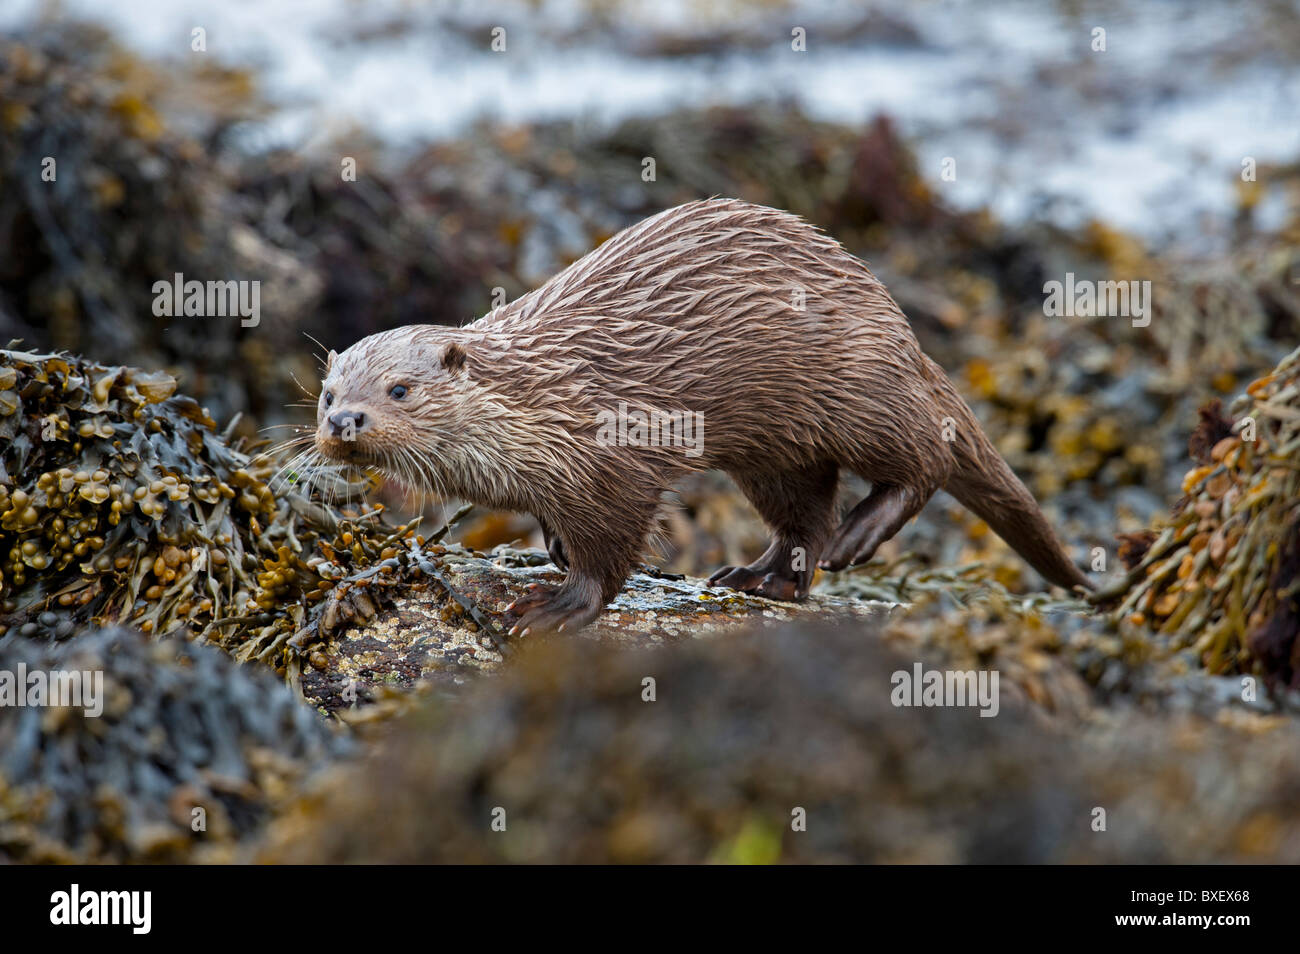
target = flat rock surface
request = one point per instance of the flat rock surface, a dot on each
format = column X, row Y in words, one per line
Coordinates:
column 421, row 637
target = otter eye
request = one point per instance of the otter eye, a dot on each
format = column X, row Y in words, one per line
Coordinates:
column 397, row 392
column 329, row 398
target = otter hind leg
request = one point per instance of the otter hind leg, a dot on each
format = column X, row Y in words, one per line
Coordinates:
column 772, row 575
column 876, row 518
column 798, row 506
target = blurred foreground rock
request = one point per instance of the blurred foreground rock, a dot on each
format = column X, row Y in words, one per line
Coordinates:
column 751, row 730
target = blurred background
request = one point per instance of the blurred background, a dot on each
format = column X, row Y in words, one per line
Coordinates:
column 208, row 139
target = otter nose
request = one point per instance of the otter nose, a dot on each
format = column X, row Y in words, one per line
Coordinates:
column 341, row 421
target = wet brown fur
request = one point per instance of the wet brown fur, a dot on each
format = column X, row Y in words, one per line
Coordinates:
column 690, row 310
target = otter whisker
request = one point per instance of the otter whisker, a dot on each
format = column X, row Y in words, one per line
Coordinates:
column 305, row 390
column 295, row 465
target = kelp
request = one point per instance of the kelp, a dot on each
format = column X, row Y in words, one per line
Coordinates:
column 177, row 755
column 121, row 502
column 1221, row 576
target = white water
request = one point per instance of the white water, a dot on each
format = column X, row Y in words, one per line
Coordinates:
column 1148, row 135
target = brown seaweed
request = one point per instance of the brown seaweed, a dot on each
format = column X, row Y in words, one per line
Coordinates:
column 1222, row 577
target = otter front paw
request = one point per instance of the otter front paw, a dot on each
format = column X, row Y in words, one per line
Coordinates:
column 545, row 608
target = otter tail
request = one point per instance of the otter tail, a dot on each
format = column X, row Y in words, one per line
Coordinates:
column 986, row 485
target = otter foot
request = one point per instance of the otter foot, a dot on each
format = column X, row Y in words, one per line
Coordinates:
column 552, row 608
column 762, row 581
column 873, row 521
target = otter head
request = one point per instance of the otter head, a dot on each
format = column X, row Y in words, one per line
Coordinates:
column 392, row 400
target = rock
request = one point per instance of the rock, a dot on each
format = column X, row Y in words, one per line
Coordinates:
column 424, row 637
column 785, row 744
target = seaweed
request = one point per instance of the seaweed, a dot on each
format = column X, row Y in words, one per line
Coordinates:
column 1222, row 574
column 121, row 502
column 187, row 757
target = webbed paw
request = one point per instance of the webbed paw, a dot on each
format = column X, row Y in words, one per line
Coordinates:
column 550, row 608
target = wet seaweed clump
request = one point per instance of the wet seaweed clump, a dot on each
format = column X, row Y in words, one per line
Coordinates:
column 1221, row 576
column 170, row 752
column 121, row 502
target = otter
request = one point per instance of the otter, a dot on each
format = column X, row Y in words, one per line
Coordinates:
column 748, row 320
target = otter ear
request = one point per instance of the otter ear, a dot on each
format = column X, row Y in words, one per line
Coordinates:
column 453, row 357
column 329, row 362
